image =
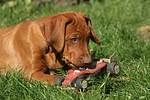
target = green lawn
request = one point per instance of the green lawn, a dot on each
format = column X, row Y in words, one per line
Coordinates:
column 116, row 23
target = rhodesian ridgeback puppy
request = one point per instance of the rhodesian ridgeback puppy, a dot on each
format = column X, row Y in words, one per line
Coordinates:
column 38, row 46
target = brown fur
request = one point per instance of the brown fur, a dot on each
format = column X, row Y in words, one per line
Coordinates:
column 47, row 43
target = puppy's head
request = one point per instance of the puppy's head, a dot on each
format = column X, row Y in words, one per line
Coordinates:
column 69, row 34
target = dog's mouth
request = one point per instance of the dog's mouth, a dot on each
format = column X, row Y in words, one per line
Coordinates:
column 73, row 66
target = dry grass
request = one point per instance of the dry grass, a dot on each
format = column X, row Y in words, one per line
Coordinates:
column 144, row 33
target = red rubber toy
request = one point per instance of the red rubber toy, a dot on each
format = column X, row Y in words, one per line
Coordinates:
column 80, row 77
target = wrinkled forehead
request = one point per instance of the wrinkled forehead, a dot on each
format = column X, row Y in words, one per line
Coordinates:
column 77, row 25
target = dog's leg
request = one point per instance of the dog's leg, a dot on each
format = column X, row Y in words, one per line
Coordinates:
column 52, row 79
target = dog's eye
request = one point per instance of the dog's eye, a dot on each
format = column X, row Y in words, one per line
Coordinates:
column 73, row 39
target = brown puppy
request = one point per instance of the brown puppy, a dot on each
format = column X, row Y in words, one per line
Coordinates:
column 48, row 43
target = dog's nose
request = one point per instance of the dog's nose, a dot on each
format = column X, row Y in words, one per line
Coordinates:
column 87, row 60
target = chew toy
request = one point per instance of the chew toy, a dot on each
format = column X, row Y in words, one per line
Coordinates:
column 79, row 78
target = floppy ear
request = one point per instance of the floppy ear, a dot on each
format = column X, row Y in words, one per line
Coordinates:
column 54, row 32
column 92, row 32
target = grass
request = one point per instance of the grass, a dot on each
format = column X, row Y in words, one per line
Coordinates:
column 116, row 24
